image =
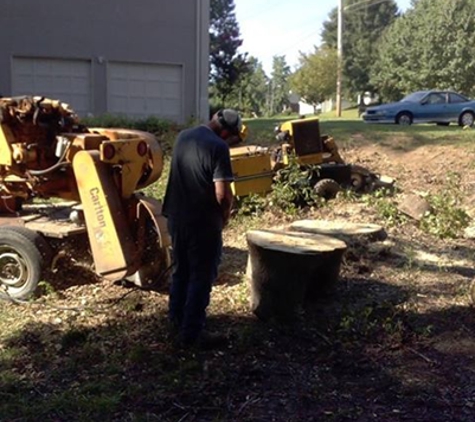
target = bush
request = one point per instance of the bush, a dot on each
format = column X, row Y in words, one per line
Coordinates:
column 150, row 124
column 293, row 187
column 446, row 219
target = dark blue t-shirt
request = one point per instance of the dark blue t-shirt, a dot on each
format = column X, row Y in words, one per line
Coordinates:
column 200, row 157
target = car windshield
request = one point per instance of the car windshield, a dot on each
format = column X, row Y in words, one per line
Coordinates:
column 415, row 97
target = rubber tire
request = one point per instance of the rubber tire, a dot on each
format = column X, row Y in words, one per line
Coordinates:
column 403, row 115
column 461, row 118
column 360, row 179
column 327, row 188
column 33, row 250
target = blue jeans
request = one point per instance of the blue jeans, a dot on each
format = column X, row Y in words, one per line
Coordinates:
column 197, row 252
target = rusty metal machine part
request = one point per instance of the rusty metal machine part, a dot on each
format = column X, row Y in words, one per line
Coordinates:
column 46, row 153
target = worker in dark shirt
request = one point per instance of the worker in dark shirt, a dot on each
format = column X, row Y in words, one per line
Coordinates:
column 197, row 204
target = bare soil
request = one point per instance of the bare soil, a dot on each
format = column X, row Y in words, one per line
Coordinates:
column 395, row 341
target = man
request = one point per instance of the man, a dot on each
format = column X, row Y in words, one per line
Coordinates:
column 197, row 204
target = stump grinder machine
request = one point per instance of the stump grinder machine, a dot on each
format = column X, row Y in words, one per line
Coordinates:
column 255, row 167
column 61, row 182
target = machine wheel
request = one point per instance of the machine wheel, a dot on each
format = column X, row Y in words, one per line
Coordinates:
column 359, row 179
column 155, row 262
column 23, row 256
column 404, row 118
column 357, row 182
column 327, row 188
column 466, row 119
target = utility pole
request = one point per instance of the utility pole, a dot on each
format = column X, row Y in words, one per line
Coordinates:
column 339, row 58
column 339, row 72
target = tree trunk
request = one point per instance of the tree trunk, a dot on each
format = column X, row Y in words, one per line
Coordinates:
column 346, row 231
column 287, row 268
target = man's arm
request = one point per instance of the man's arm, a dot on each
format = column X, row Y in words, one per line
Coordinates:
column 224, row 196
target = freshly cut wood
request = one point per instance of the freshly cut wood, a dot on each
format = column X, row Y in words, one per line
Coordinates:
column 414, row 206
column 287, row 268
column 344, row 230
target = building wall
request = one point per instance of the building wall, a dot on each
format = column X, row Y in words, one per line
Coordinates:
column 104, row 31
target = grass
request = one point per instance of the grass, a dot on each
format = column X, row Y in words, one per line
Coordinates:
column 347, row 130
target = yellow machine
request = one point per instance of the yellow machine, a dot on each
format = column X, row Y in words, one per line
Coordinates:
column 45, row 154
column 254, row 167
column 302, row 138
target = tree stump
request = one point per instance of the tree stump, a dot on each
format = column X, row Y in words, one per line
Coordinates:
column 346, row 231
column 287, row 268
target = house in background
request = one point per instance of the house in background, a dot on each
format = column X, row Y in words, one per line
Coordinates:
column 299, row 106
column 131, row 57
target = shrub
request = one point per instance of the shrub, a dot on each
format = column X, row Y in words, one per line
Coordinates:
column 293, row 187
column 150, row 124
column 446, row 219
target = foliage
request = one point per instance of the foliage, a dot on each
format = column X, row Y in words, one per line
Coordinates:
column 293, row 187
column 279, row 86
column 431, row 47
column 251, row 93
column 364, row 22
column 382, row 201
column 227, row 66
column 314, row 79
column 149, row 124
column 251, row 205
column 446, row 219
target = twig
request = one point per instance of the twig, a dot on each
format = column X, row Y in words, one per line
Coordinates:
column 421, row 355
column 323, row 337
column 183, row 417
column 246, row 403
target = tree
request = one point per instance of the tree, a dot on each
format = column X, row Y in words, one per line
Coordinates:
column 252, row 90
column 364, row 23
column 431, row 47
column 226, row 64
column 314, row 80
column 279, row 85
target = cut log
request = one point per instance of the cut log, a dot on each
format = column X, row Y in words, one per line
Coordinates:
column 349, row 232
column 286, row 269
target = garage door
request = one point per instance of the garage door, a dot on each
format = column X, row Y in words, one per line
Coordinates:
column 141, row 90
column 66, row 80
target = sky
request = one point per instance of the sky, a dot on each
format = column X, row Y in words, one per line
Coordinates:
column 283, row 27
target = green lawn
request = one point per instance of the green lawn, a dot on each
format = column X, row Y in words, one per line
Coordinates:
column 348, row 128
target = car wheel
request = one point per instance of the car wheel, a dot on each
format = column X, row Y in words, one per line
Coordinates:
column 404, row 119
column 466, row 119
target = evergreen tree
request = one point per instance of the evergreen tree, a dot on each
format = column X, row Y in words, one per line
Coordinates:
column 364, row 23
column 279, row 88
column 252, row 90
column 431, row 47
column 227, row 66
